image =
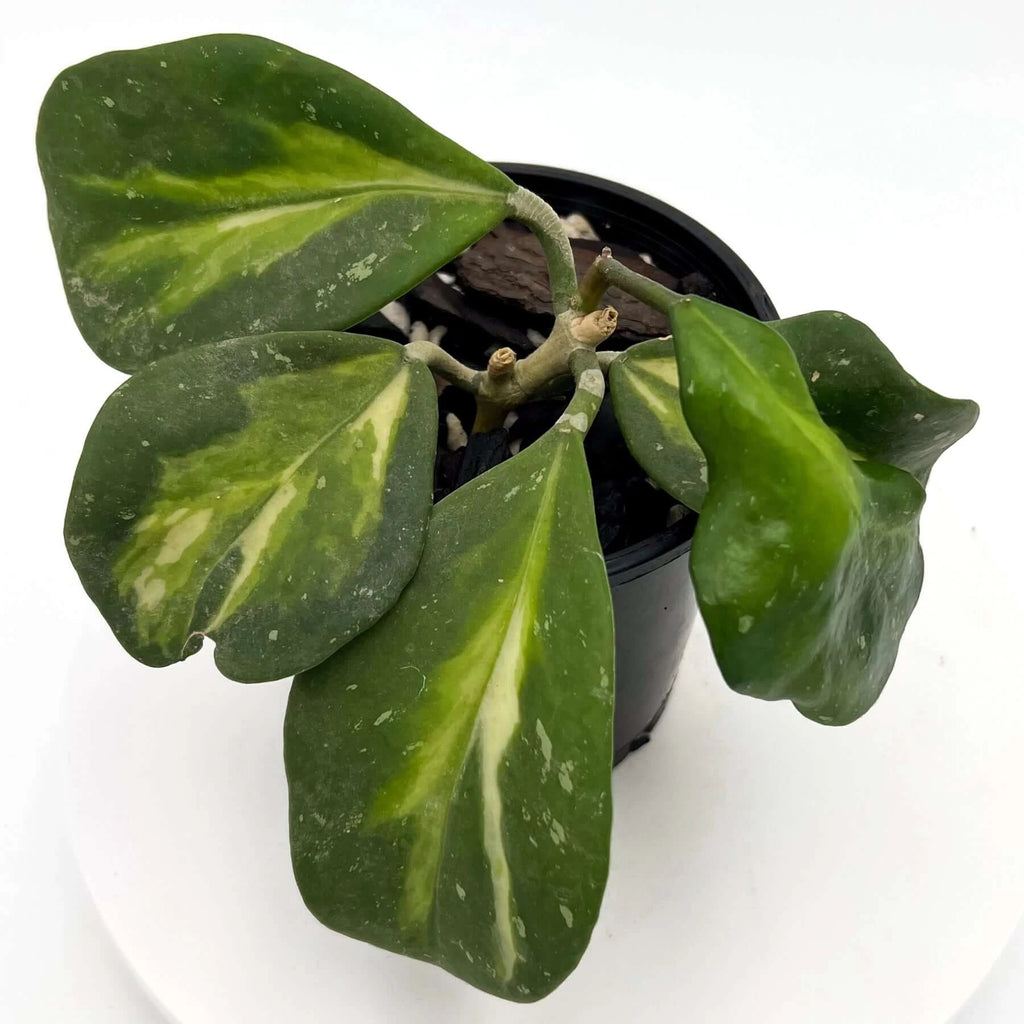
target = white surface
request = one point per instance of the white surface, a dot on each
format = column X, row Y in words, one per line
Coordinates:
column 58, row 964
column 746, row 841
column 858, row 157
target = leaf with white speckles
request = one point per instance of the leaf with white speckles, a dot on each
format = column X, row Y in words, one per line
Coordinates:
column 268, row 492
column 228, row 185
column 472, row 827
column 862, row 392
column 644, row 384
column 806, row 561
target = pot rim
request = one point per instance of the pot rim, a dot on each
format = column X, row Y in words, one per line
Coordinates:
column 647, row 555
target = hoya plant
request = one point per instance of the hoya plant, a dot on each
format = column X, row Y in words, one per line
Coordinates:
column 223, row 208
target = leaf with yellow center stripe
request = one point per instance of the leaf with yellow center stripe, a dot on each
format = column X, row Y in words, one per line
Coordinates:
column 228, row 185
column 450, row 770
column 268, row 492
column 645, row 394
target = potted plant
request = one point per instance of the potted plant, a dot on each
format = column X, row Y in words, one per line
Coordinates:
column 222, row 209
column 496, row 295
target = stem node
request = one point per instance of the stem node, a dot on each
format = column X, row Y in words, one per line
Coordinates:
column 501, row 363
column 591, row 329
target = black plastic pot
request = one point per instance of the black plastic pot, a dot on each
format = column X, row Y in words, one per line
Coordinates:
column 652, row 594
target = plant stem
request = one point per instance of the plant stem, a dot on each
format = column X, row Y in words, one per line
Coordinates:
column 605, row 272
column 508, row 383
column 531, row 210
column 445, row 365
column 571, row 332
column 491, row 413
column 586, row 400
column 592, row 285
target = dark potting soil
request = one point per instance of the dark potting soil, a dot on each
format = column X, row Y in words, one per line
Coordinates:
column 496, row 295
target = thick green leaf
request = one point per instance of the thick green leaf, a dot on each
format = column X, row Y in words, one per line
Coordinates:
column 645, row 395
column 228, row 185
column 269, row 492
column 868, row 399
column 859, row 388
column 450, row 769
column 806, row 562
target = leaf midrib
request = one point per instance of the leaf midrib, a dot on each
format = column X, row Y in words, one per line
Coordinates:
column 286, row 475
column 354, row 189
column 544, row 517
column 797, row 418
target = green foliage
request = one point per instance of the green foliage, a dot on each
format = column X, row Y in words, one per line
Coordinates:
column 269, row 492
column 475, row 800
column 859, row 388
column 805, row 561
column 220, row 207
column 228, row 185
column 878, row 410
column 645, row 392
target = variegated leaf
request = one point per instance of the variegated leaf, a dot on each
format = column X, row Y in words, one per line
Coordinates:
column 862, row 392
column 644, row 384
column 228, row 185
column 268, row 492
column 449, row 771
column 805, row 561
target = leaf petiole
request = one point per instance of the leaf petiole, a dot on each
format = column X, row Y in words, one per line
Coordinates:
column 605, row 272
column 541, row 219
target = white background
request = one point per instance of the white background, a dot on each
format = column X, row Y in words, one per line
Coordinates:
column 860, row 156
